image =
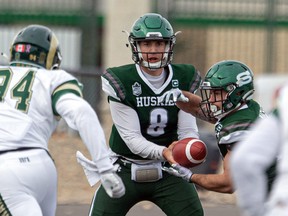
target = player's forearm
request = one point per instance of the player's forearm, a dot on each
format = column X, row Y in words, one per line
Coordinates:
column 128, row 126
column 213, row 182
column 80, row 116
column 193, row 107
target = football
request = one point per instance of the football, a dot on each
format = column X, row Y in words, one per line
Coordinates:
column 190, row 152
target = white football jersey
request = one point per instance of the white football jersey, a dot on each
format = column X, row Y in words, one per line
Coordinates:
column 27, row 99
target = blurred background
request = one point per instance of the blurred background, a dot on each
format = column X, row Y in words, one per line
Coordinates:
column 91, row 38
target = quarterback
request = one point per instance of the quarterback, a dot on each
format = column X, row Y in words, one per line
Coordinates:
column 34, row 95
column 143, row 127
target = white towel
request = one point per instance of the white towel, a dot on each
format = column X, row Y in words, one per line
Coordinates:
column 89, row 167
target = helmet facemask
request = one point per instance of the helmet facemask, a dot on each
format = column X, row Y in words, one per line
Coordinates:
column 139, row 56
column 215, row 101
column 231, row 98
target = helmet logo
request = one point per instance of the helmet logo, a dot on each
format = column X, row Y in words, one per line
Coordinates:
column 205, row 84
column 32, row 57
column 23, row 48
column 42, row 57
column 244, row 78
column 17, row 56
column 154, row 35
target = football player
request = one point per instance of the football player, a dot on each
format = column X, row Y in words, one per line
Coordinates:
column 267, row 141
column 226, row 93
column 34, row 95
column 143, row 127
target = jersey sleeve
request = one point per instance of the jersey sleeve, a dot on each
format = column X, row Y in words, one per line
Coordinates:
column 108, row 89
column 64, row 83
column 113, row 86
column 188, row 76
column 196, row 82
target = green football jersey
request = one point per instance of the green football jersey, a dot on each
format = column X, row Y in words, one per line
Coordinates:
column 158, row 120
column 233, row 127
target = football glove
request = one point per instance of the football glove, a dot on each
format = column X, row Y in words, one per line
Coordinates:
column 179, row 171
column 112, row 184
column 174, row 94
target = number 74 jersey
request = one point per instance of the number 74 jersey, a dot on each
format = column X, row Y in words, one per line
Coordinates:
column 27, row 105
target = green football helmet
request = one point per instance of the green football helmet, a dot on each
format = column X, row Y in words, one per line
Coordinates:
column 233, row 77
column 152, row 26
column 35, row 46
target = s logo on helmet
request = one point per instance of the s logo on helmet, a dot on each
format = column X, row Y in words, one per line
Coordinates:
column 244, row 78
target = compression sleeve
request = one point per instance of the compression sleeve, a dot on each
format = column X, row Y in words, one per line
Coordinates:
column 131, row 134
column 187, row 126
column 80, row 116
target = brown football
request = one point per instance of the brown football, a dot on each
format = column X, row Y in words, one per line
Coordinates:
column 189, row 152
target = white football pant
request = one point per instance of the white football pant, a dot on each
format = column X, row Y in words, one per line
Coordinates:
column 28, row 183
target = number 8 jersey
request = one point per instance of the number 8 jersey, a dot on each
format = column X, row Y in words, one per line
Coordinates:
column 27, row 120
column 158, row 121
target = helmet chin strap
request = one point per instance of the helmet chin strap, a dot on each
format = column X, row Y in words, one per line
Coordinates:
column 220, row 114
column 248, row 96
column 217, row 113
column 150, row 66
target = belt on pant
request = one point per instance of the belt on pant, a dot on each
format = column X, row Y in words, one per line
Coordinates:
column 124, row 162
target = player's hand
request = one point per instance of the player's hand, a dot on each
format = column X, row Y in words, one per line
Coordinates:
column 167, row 154
column 179, row 171
column 112, row 184
column 174, row 94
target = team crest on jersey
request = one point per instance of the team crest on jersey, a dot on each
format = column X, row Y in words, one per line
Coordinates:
column 136, row 88
column 175, row 83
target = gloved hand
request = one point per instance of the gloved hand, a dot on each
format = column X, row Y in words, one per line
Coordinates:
column 179, row 171
column 174, row 94
column 112, row 184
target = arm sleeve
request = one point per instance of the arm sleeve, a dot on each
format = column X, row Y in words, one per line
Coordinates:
column 131, row 134
column 80, row 116
column 249, row 162
column 187, row 126
column 107, row 88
